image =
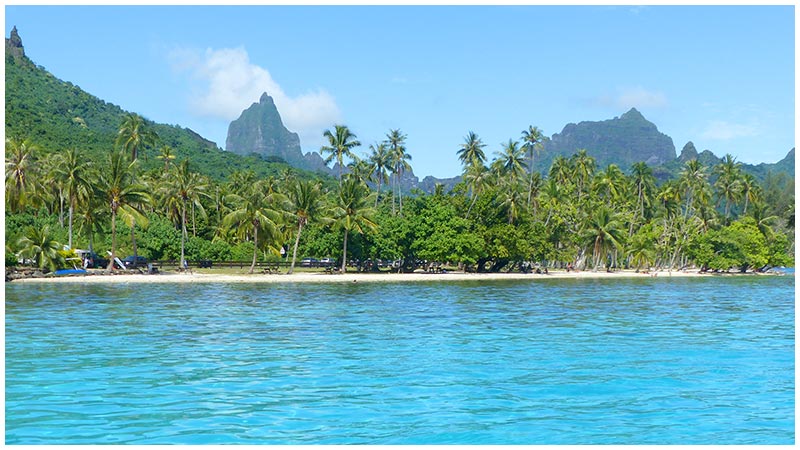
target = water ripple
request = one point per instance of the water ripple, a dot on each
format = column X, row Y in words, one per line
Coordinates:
column 547, row 362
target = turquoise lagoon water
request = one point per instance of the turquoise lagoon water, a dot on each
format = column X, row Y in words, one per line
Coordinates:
column 657, row 361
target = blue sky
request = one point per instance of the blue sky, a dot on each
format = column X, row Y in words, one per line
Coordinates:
column 720, row 76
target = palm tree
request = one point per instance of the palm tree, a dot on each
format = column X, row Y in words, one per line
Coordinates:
column 693, row 178
column 644, row 184
column 603, row 230
column 561, row 170
column 750, row 190
column 185, row 187
column 610, row 183
column 361, row 169
column 584, row 166
column 531, row 138
column 133, row 134
column 380, row 162
column 38, row 245
column 352, row 212
column 20, row 163
column 764, row 220
column 341, row 143
column 166, row 154
column 728, row 184
column 123, row 195
column 74, row 178
column 509, row 162
column 305, row 202
column 641, row 252
column 255, row 210
column 476, row 176
column 471, row 152
column 399, row 161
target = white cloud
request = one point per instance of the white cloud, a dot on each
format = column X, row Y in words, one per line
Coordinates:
column 230, row 83
column 723, row 131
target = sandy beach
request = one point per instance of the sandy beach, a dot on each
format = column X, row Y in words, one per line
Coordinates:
column 170, row 277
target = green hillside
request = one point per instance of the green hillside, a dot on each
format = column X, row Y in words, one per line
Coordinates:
column 56, row 115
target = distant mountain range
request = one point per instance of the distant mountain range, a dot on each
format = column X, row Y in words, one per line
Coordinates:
column 56, row 115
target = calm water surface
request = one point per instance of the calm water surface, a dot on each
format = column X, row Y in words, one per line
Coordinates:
column 653, row 361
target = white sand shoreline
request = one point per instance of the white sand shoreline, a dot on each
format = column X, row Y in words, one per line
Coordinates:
column 353, row 277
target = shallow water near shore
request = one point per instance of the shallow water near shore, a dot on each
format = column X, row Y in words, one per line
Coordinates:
column 626, row 361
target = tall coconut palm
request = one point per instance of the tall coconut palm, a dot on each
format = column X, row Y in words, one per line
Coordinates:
column 476, row 177
column 185, row 188
column 380, row 160
column 644, row 184
column 255, row 210
column 399, row 161
column 123, row 196
column 352, row 211
column 531, row 138
column 584, row 166
column 750, row 190
column 341, row 143
column 38, row 245
column 361, row 169
column 20, row 165
column 728, row 183
column 305, row 202
column 692, row 179
column 73, row 175
column 610, row 183
column 133, row 135
column 509, row 162
column 471, row 152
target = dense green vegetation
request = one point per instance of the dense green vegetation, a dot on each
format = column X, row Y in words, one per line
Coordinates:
column 501, row 218
column 84, row 173
column 57, row 115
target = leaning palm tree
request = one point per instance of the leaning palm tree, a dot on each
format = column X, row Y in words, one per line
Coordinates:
column 477, row 177
column 38, row 245
column 750, row 190
column 644, row 184
column 728, row 184
column 379, row 158
column 305, row 202
column 73, row 175
column 531, row 138
column 133, row 135
column 341, row 143
column 123, row 196
column 255, row 211
column 352, row 211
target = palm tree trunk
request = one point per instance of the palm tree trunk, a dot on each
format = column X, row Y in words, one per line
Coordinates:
column 183, row 234
column 530, row 184
column 379, row 190
column 400, row 193
column 133, row 243
column 344, row 252
column 194, row 222
column 113, row 241
column 296, row 243
column 71, row 212
column 255, row 248
column 394, row 182
column 474, row 199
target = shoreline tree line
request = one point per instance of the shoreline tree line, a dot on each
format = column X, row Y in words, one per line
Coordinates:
column 502, row 216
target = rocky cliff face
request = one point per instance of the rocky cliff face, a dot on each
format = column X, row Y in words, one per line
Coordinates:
column 259, row 129
column 622, row 140
column 14, row 45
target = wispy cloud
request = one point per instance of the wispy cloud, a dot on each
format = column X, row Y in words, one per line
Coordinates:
column 723, row 131
column 229, row 82
column 633, row 97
